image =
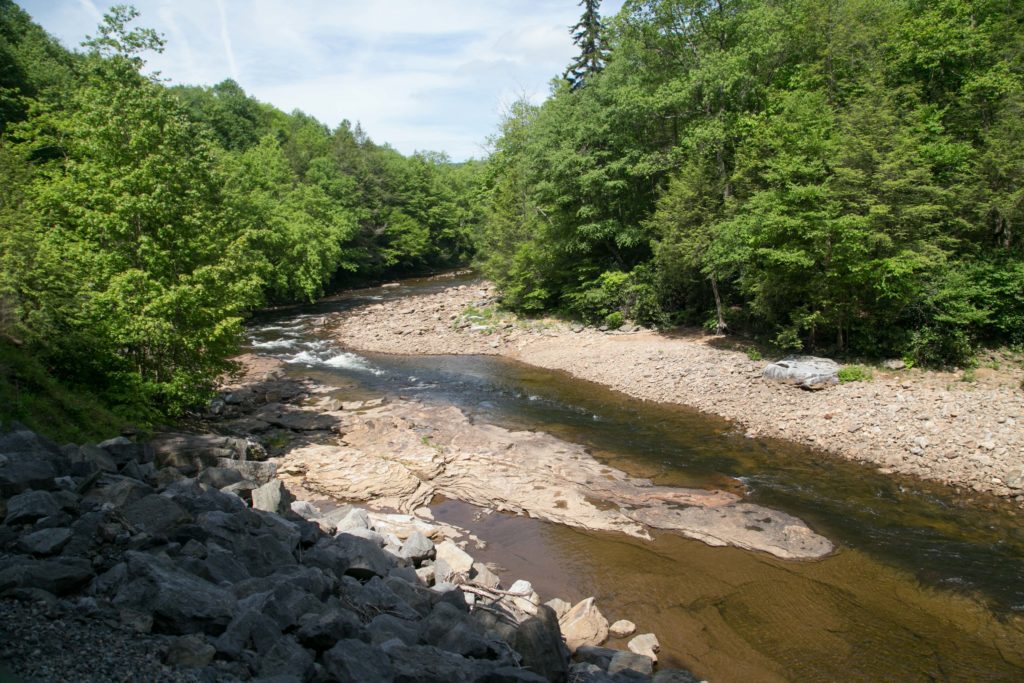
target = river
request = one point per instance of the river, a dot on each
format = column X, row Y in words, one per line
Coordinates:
column 926, row 585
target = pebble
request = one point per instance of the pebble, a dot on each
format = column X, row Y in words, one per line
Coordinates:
column 719, row 381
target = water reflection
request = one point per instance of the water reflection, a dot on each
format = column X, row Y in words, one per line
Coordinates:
column 926, row 586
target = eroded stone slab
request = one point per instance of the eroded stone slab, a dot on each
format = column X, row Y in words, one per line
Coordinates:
column 403, row 454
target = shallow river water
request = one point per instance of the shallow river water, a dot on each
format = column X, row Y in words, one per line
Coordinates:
column 925, row 585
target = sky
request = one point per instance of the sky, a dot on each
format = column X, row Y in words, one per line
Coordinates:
column 417, row 74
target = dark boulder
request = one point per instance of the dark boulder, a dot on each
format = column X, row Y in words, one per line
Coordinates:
column 539, row 641
column 29, row 461
column 354, row 660
column 58, row 576
column 179, row 601
column 26, row 508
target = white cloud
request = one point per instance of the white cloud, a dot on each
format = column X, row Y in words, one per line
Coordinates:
column 418, row 75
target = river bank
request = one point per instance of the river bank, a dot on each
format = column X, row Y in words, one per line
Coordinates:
column 193, row 557
column 920, row 423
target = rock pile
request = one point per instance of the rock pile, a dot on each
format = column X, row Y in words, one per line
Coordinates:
column 162, row 544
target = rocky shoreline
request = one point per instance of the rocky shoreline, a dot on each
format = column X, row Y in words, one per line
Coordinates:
column 966, row 434
column 189, row 558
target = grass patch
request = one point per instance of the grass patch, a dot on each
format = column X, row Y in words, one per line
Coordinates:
column 855, row 373
column 40, row 401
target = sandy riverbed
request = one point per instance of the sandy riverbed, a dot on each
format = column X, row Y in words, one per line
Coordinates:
column 926, row 424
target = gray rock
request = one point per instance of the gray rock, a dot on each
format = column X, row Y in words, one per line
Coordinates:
column 242, row 489
column 675, row 676
column 321, row 631
column 808, row 372
column 95, row 457
column 522, row 595
column 58, row 576
column 645, row 644
column 117, row 491
column 220, row 566
column 305, row 509
column 485, row 577
column 451, row 629
column 263, row 543
column 596, row 655
column 189, row 453
column 179, row 602
column 378, row 595
column 511, row 674
column 249, row 629
column 585, row 672
column 584, row 625
column 30, row 461
column 419, row 598
column 425, row 574
column 455, row 558
column 365, row 534
column 219, row 477
column 45, row 541
column 354, row 660
column 742, row 525
column 632, row 661
column 287, row 657
column 384, row 627
column 355, row 518
column 417, row 547
column 288, row 603
column 155, row 514
column 894, row 364
column 124, row 450
column 272, row 497
column 539, row 641
column 27, row 507
column 426, row 664
column 365, row 559
column 189, row 651
column 259, row 472
column 405, row 574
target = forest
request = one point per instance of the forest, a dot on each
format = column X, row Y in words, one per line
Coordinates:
column 142, row 223
column 839, row 176
column 842, row 177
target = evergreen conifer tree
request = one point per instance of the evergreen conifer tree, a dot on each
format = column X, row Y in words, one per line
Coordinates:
column 586, row 34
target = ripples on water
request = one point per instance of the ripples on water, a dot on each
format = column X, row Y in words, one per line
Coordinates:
column 925, row 586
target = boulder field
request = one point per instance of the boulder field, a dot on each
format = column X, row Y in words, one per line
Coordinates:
column 170, row 560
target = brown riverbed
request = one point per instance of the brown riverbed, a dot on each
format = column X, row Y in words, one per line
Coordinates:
column 926, row 584
column 731, row 615
column 926, row 424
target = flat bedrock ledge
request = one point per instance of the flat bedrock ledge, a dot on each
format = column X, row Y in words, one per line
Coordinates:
column 920, row 423
column 403, row 454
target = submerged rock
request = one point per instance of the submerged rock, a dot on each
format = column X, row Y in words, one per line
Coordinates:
column 622, row 628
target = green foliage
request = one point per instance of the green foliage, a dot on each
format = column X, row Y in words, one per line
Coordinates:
column 614, row 320
column 142, row 223
column 30, row 394
column 753, row 354
column 855, row 373
column 841, row 176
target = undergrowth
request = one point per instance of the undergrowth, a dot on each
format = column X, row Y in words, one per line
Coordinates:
column 40, row 401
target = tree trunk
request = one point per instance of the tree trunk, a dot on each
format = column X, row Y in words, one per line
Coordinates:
column 720, row 327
